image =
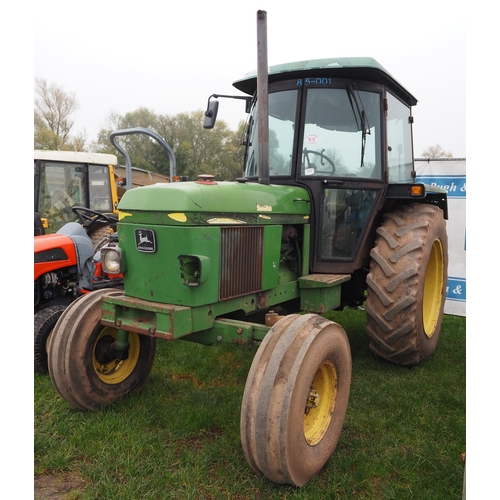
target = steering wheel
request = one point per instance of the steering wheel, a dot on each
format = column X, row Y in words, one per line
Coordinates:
column 89, row 217
column 321, row 154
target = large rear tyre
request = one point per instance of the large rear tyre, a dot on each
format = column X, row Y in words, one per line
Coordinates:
column 45, row 320
column 295, row 398
column 81, row 364
column 407, row 283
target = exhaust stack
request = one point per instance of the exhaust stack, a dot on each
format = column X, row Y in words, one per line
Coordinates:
column 262, row 98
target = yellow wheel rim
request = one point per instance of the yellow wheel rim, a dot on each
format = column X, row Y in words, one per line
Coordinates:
column 320, row 403
column 114, row 371
column 433, row 289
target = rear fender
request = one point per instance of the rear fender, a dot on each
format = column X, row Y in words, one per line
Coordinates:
column 70, row 246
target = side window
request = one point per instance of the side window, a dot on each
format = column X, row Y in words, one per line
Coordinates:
column 252, row 151
column 399, row 141
column 100, row 191
column 281, row 130
column 282, row 106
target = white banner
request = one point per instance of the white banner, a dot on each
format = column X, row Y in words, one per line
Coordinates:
column 450, row 175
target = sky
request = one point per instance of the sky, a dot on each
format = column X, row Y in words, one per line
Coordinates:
column 170, row 57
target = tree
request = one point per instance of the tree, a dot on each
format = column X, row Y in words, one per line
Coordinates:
column 197, row 151
column 436, row 151
column 54, row 109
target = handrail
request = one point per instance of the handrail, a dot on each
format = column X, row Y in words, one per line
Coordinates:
column 128, row 163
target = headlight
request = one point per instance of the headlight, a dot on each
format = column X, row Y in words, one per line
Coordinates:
column 111, row 260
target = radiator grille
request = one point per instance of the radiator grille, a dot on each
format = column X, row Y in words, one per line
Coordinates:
column 241, row 261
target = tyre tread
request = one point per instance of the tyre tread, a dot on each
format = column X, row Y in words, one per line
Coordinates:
column 395, row 283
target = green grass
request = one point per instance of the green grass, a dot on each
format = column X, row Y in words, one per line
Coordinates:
column 179, row 437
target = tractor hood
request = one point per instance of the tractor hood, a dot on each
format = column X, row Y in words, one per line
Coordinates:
column 210, row 202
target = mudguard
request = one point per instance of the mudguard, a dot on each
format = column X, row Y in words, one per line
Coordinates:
column 70, row 246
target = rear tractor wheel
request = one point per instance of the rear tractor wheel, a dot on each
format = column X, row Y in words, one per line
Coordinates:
column 83, row 363
column 295, row 398
column 407, row 284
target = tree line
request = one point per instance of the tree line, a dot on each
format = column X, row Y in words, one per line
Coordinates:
column 197, row 151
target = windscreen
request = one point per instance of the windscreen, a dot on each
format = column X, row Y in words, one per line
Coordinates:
column 62, row 186
column 65, row 185
column 341, row 133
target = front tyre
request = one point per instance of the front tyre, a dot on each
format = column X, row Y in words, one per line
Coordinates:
column 407, row 283
column 295, row 398
column 44, row 321
column 82, row 366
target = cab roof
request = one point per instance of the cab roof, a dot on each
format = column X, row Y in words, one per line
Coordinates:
column 76, row 157
column 359, row 68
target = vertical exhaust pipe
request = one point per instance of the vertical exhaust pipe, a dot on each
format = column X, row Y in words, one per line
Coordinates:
column 262, row 98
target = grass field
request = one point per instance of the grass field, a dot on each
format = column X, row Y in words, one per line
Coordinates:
column 179, row 438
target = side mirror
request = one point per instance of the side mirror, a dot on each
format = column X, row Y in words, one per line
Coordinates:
column 211, row 114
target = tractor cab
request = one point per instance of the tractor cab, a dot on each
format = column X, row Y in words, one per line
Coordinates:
column 341, row 128
column 65, row 179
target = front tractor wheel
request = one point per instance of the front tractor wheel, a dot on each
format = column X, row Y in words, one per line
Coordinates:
column 45, row 320
column 407, row 283
column 84, row 365
column 295, row 398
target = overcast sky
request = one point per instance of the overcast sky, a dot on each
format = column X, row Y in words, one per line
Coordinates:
column 169, row 57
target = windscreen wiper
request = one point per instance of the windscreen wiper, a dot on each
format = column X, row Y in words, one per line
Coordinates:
column 359, row 112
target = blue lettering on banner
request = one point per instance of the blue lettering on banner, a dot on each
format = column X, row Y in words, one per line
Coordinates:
column 456, row 289
column 455, row 185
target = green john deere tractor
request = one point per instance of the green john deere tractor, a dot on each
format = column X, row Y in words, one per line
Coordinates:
column 326, row 215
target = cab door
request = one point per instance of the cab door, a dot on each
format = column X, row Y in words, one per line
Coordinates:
column 340, row 160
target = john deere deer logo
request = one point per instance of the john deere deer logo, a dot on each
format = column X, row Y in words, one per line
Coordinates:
column 145, row 240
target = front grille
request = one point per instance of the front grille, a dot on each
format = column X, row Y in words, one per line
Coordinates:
column 241, row 261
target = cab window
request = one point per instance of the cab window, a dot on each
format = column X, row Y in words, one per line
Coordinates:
column 62, row 186
column 100, row 190
column 342, row 133
column 399, row 141
column 282, row 107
